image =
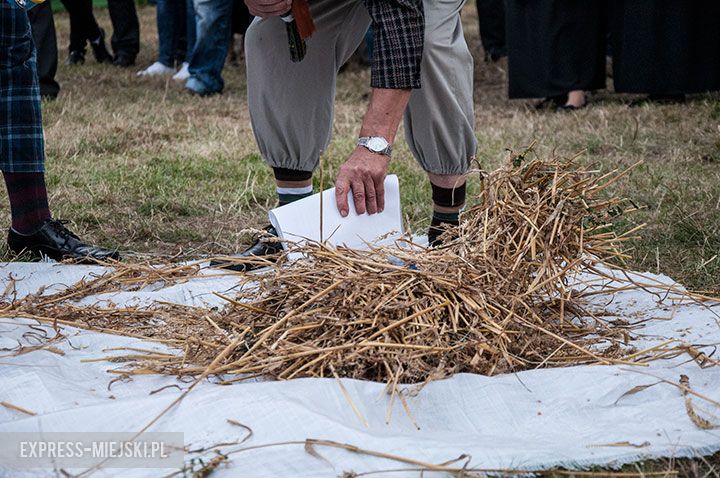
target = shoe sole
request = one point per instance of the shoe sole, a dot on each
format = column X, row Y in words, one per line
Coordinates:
column 41, row 252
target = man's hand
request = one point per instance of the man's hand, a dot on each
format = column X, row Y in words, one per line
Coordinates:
column 268, row 8
column 364, row 174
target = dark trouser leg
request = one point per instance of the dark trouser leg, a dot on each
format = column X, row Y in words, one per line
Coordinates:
column 191, row 32
column 83, row 26
column 491, row 14
column 126, row 28
column 241, row 18
column 43, row 29
column 180, row 33
column 172, row 31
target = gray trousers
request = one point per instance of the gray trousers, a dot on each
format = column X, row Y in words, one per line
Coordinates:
column 291, row 104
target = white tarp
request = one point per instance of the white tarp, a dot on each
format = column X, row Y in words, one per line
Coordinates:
column 535, row 419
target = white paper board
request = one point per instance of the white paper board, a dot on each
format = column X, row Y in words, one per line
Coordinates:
column 300, row 221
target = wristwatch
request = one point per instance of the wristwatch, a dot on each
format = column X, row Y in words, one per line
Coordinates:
column 376, row 144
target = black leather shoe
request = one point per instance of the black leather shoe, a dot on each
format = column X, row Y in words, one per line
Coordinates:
column 56, row 241
column 261, row 249
column 124, row 60
column 551, row 102
column 100, row 51
column 76, row 57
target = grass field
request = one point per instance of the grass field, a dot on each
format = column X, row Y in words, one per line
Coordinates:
column 140, row 164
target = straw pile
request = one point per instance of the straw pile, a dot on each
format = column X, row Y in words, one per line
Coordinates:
column 494, row 299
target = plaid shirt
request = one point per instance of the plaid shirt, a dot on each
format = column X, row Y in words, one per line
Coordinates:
column 399, row 29
column 21, row 134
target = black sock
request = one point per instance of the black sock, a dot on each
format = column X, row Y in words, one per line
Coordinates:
column 441, row 222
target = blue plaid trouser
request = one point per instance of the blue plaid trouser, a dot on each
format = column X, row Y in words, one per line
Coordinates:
column 21, row 134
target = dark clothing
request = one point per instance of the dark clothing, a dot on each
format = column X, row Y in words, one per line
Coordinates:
column 172, row 32
column 555, row 46
column 43, row 31
column 491, row 16
column 399, row 29
column 241, row 18
column 83, row 26
column 191, row 33
column 665, row 47
column 126, row 28
column 21, row 134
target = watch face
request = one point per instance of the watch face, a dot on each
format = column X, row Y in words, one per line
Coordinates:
column 377, row 144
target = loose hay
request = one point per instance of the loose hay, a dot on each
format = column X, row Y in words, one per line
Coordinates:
column 495, row 299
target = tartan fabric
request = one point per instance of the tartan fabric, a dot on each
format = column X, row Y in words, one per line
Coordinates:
column 21, row 134
column 399, row 29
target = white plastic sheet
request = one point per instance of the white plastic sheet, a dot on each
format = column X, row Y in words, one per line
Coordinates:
column 572, row 417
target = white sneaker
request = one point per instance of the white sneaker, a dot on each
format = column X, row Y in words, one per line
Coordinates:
column 183, row 74
column 156, row 69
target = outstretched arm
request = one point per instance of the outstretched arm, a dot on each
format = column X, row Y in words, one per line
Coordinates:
column 364, row 172
column 399, row 29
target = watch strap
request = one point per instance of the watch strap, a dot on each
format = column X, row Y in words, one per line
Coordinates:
column 365, row 141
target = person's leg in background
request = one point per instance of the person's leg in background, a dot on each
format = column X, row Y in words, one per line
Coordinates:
column 170, row 17
column 291, row 104
column 84, row 28
column 180, row 47
column 190, row 36
column 440, row 121
column 241, row 20
column 556, row 50
column 491, row 16
column 79, row 28
column 22, row 150
column 43, row 31
column 126, row 31
column 211, row 46
column 191, row 32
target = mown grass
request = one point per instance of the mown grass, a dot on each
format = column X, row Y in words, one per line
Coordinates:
column 141, row 165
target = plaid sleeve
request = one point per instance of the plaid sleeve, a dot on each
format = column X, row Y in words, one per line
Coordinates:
column 399, row 29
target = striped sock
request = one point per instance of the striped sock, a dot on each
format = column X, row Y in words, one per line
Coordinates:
column 28, row 201
column 296, row 184
column 286, row 195
column 452, row 200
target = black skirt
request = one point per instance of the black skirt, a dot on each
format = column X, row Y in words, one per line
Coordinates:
column 665, row 46
column 555, row 46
